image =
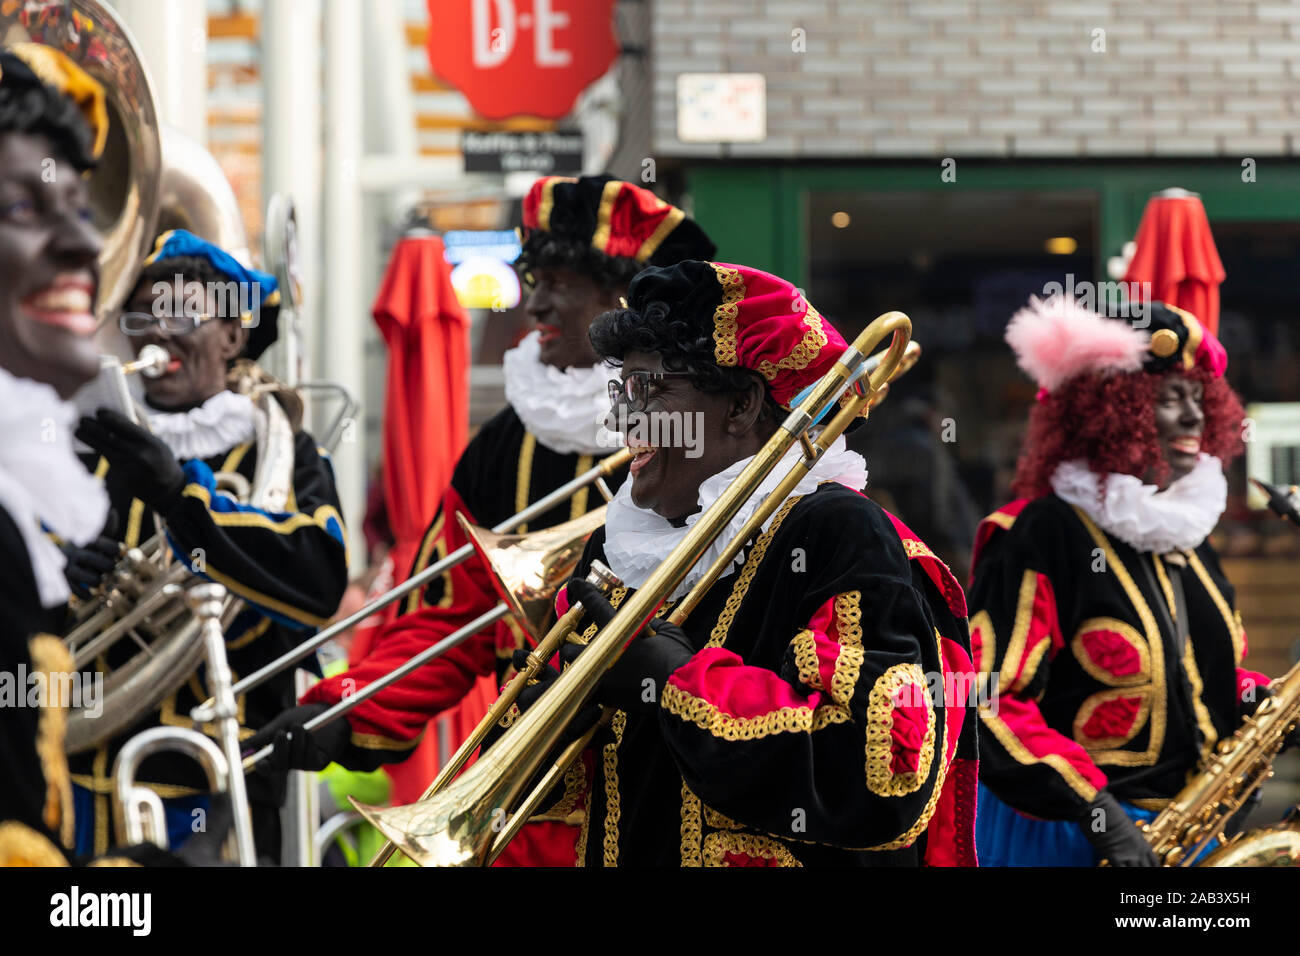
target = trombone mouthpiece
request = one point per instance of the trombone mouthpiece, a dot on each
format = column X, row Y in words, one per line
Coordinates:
column 1284, row 501
column 151, row 363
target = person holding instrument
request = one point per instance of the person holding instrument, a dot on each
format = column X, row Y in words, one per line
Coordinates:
column 52, row 119
column 584, row 240
column 798, row 716
column 288, row 561
column 1102, row 621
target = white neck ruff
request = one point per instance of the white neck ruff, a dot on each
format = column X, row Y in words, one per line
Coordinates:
column 564, row 409
column 637, row 540
column 225, row 420
column 1178, row 518
column 42, row 480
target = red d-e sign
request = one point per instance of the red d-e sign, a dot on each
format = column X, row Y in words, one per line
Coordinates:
column 512, row 57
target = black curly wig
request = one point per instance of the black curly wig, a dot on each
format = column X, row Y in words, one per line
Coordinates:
column 542, row 250
column 670, row 314
column 192, row 268
column 29, row 106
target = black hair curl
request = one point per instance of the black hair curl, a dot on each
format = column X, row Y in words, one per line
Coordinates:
column 683, row 345
column 542, row 250
column 30, row 106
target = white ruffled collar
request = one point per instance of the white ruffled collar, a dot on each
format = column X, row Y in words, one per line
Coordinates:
column 1178, row 518
column 637, row 540
column 566, row 409
column 43, row 480
column 225, row 420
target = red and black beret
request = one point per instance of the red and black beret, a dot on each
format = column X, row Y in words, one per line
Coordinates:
column 616, row 218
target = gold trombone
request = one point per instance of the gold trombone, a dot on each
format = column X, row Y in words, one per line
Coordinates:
column 459, row 823
column 556, row 551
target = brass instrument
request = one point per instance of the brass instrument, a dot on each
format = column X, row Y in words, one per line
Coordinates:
column 138, row 809
column 1239, row 766
column 538, row 563
column 459, row 824
column 596, row 475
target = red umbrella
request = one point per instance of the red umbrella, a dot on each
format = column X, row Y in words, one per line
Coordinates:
column 1176, row 256
column 426, row 421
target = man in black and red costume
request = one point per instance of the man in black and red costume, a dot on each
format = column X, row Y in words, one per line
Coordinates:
column 584, row 240
column 799, row 715
column 1102, row 620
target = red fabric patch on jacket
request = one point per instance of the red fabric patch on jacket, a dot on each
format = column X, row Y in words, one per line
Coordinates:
column 911, row 717
column 1111, row 652
column 1112, row 718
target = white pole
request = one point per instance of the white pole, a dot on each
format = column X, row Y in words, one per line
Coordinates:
column 173, row 40
column 342, row 347
column 291, row 140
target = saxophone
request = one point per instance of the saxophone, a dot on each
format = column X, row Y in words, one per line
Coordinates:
column 1238, row 768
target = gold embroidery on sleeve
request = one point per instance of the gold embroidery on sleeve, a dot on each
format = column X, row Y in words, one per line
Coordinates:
column 881, row 779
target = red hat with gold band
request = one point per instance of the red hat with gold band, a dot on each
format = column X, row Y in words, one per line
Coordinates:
column 615, row 218
column 757, row 320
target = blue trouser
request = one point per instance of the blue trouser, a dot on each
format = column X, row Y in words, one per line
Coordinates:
column 1004, row 837
column 178, row 811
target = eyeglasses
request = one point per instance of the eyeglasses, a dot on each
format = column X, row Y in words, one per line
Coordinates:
column 142, row 323
column 636, row 388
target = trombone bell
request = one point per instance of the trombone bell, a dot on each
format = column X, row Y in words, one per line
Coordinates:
column 527, row 569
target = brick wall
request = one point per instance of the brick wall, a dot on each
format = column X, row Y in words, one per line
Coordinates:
column 993, row 77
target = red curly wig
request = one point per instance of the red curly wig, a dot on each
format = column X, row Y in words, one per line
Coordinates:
column 1108, row 420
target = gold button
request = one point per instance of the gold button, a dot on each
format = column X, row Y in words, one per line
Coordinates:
column 1164, row 343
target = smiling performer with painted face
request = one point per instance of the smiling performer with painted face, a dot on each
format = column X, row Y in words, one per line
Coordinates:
column 287, row 560
column 49, row 276
column 1100, row 612
column 800, row 716
column 584, row 240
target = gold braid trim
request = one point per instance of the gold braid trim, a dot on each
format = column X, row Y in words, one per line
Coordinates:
column 720, row 630
column 881, row 780
column 804, row 353
column 670, row 222
column 524, row 476
column 604, row 212
column 1129, row 758
column 692, row 832
column 708, row 717
column 578, row 503
column 719, row 821
column 575, row 783
column 20, row 845
column 547, row 202
column 848, row 628
column 105, row 861
column 51, row 658
column 915, row 830
column 726, row 314
column 613, row 808
column 805, row 659
column 718, row 845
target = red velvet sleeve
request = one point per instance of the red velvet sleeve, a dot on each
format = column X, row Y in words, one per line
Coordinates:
column 394, row 718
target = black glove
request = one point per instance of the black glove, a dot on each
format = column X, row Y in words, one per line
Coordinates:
column 87, row 565
column 314, row 750
column 585, row 720
column 636, row 682
column 143, row 462
column 1114, row 835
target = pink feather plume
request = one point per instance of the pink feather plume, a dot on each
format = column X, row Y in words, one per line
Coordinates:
column 1057, row 339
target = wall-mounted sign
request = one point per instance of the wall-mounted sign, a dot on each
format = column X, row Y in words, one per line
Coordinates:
column 1272, row 446
column 529, row 57
column 502, row 152
column 721, row 108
